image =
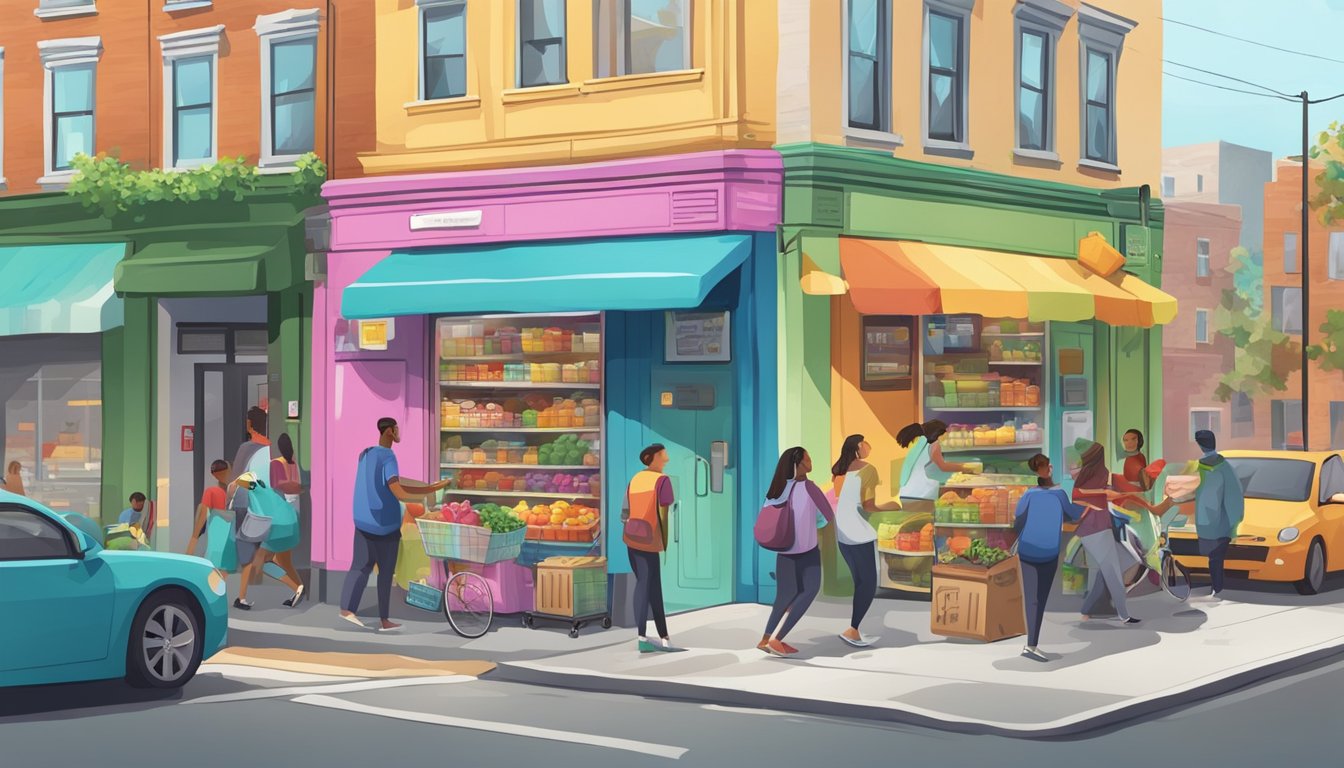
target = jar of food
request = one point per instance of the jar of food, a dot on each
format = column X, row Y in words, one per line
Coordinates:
column 1033, row 394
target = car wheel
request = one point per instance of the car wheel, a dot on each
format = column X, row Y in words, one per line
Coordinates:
column 165, row 646
column 1313, row 577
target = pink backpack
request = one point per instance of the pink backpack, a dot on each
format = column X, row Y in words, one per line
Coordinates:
column 774, row 527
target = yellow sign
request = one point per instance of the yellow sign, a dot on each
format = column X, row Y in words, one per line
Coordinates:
column 665, row 399
column 373, row 334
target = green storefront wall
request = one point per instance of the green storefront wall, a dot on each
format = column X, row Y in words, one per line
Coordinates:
column 837, row 191
column 248, row 247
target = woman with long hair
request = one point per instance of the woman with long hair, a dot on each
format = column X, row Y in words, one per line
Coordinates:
column 798, row 568
column 1039, row 518
column 919, row 488
column 1092, row 489
column 285, row 481
column 855, row 482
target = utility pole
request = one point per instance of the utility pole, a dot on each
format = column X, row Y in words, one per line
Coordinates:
column 1306, row 270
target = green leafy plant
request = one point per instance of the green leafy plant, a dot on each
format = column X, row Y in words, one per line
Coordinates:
column 1329, row 354
column 1248, row 277
column 106, row 184
column 1329, row 198
column 1264, row 357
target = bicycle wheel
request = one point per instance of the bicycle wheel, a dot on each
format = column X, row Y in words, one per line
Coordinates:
column 468, row 604
column 1175, row 578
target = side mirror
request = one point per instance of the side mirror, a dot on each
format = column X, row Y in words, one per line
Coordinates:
column 85, row 543
column 1338, row 498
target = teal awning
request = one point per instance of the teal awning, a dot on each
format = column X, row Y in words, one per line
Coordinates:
column 59, row 288
column 634, row 273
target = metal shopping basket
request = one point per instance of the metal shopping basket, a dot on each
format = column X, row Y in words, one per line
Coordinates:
column 468, row 603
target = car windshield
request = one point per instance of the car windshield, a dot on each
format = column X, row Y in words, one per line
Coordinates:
column 1274, row 479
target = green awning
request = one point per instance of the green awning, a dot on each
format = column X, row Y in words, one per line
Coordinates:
column 198, row 269
column 59, row 288
column 628, row 273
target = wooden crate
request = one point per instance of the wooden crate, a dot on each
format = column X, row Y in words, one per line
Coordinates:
column 572, row 586
column 978, row 603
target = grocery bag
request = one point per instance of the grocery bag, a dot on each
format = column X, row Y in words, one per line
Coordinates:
column 1181, row 488
column 412, row 562
column 220, row 548
column 283, row 536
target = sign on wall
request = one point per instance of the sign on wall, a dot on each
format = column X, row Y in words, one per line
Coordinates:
column 698, row 337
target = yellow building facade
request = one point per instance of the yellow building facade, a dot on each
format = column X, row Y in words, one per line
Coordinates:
column 815, row 88
column 532, row 90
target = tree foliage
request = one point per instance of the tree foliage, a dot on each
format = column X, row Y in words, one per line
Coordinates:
column 1264, row 357
column 1329, row 198
column 1248, row 277
column 106, row 184
column 1329, row 354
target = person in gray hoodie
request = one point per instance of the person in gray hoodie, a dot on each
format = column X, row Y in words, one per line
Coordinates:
column 1220, row 505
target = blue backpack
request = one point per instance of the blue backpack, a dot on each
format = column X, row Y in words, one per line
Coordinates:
column 262, row 501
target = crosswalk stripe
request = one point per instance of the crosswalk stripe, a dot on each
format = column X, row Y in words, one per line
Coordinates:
column 363, row 685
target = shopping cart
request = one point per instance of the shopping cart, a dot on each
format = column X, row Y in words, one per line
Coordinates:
column 468, row 602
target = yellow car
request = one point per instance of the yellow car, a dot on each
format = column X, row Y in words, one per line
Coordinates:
column 1293, row 530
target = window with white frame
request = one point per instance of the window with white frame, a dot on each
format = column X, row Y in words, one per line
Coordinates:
column 641, row 37
column 1291, row 266
column 443, row 49
column 946, row 32
column 288, row 85
column 1335, row 268
column 1202, row 257
column 542, row 54
column 190, row 64
column 1206, row 418
column 1285, row 308
column 1039, row 25
column 1102, row 38
column 69, row 95
column 868, row 64
column 1168, row 186
column 1243, row 415
column 1202, row 326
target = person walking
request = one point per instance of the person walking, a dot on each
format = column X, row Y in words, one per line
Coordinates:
column 253, row 460
column 214, row 498
column 1091, row 489
column 855, row 482
column 1220, row 505
column 1039, row 518
column 798, row 568
column 379, row 491
column 284, row 479
column 648, row 506
column 919, row 488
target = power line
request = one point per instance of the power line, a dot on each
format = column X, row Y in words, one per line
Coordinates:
column 1226, row 88
column 1327, row 98
column 1229, row 77
column 1252, row 42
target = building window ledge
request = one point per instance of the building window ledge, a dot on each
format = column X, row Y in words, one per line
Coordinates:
column 435, row 106
column 959, row 149
column 1037, row 155
column 56, row 180
column 1097, row 165
column 277, row 166
column 866, row 138
column 186, row 5
column 540, row 93
column 65, row 13
column 648, row 80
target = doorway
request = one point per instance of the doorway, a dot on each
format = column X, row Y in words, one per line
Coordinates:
column 224, row 393
column 692, row 415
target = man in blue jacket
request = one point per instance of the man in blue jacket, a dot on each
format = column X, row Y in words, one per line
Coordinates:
column 1219, row 507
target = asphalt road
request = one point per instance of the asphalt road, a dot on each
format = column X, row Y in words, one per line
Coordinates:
column 284, row 719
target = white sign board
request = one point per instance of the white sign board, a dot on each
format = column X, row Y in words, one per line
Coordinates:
column 446, row 220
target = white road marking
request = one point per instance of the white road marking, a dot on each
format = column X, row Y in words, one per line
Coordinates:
column 363, row 685
column 508, row 729
column 749, row 711
column 240, row 671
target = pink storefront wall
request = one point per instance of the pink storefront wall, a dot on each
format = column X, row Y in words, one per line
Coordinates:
column 703, row 192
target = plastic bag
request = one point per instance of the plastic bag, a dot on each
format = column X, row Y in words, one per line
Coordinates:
column 220, row 548
column 412, row 562
column 283, row 535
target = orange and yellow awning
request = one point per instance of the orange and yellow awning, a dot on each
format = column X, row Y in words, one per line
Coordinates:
column 901, row 277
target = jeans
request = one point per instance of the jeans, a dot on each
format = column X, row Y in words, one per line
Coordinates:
column 1037, row 578
column 1216, row 549
column 798, row 580
column 1103, row 573
column 648, row 591
column 370, row 550
column 862, row 562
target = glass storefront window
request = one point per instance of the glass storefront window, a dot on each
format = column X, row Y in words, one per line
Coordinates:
column 53, row 423
column 888, row 355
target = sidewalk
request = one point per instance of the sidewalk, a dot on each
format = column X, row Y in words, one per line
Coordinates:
column 1100, row 673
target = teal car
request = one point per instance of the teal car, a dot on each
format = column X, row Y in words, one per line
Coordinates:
column 72, row 611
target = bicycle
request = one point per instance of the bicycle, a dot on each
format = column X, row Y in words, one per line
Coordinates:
column 468, row 603
column 1156, row 560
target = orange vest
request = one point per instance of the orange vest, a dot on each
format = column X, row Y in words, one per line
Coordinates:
column 642, row 496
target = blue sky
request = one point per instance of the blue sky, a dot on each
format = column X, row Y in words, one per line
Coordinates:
column 1193, row 113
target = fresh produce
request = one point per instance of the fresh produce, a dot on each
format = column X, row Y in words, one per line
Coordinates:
column 980, row 553
column 499, row 519
column 959, row 544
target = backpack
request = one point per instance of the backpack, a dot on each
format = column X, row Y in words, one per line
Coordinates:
column 774, row 526
column 282, row 533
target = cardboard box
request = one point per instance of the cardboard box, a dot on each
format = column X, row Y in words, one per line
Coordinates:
column 978, row 603
column 572, row 586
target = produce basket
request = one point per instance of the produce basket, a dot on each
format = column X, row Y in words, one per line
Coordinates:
column 425, row 597
column 469, row 543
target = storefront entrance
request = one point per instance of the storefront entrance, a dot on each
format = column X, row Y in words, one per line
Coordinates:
column 224, row 393
column 692, row 415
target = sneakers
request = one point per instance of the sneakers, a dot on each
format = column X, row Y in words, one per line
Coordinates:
column 353, row 619
column 298, row 596
column 1130, row 620
column 1034, row 654
column 863, row 642
column 647, row 647
column 241, row 604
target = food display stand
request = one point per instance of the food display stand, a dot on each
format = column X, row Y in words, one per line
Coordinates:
column 521, row 420
column 977, row 590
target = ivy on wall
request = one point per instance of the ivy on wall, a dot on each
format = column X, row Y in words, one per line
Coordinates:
column 106, row 184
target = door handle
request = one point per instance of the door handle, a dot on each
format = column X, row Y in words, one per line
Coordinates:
column 718, row 462
column 676, row 522
column 708, row 472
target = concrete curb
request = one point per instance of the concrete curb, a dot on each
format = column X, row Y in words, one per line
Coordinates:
column 1083, row 722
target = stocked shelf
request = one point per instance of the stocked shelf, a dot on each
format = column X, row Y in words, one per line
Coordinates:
column 967, row 526
column 520, row 385
column 522, row 430
column 996, row 448
column 528, row 467
column 985, row 409
column 1036, row 363
column 901, row 553
column 514, row 357
column 1035, row 335
column 521, row 494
